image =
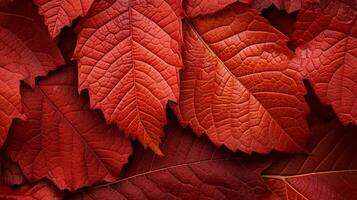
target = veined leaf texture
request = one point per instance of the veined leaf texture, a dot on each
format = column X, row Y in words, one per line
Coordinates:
column 178, row 99
column 62, row 139
column 26, row 51
column 61, row 13
column 129, row 57
column 237, row 86
column 329, row 172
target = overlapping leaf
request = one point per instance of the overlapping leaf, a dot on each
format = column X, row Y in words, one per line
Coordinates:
column 25, row 52
column 64, row 140
column 40, row 191
column 327, row 53
column 287, row 5
column 61, row 13
column 194, row 8
column 237, row 86
column 191, row 169
column 129, row 57
column 329, row 172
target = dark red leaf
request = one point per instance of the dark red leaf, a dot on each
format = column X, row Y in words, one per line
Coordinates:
column 327, row 55
column 40, row 191
column 329, row 172
column 64, row 140
column 26, row 51
column 287, row 5
column 10, row 173
column 191, row 169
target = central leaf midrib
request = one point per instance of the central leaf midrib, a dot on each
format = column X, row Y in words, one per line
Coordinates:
column 229, row 71
column 75, row 129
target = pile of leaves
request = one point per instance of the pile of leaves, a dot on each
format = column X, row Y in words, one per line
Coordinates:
column 171, row 99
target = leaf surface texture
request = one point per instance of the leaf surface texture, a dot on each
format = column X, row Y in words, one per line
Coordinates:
column 129, row 58
column 64, row 140
column 237, row 86
column 26, row 51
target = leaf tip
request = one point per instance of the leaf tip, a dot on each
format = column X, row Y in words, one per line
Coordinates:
column 156, row 149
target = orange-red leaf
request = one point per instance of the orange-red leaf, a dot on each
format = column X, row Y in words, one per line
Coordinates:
column 237, row 86
column 327, row 53
column 61, row 13
column 192, row 168
column 40, row 191
column 63, row 139
column 129, row 57
column 329, row 172
column 26, row 51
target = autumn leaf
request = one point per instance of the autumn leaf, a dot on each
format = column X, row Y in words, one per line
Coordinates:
column 129, row 57
column 191, row 169
column 327, row 51
column 26, row 51
column 329, row 172
column 194, row 8
column 61, row 13
column 39, row 191
column 64, row 140
column 287, row 5
column 237, row 86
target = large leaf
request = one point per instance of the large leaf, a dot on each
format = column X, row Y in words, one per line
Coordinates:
column 26, row 51
column 64, row 140
column 194, row 8
column 40, row 191
column 61, row 13
column 191, row 169
column 329, row 172
column 129, row 57
column 237, row 86
column 327, row 53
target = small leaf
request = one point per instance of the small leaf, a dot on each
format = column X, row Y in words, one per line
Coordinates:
column 61, row 13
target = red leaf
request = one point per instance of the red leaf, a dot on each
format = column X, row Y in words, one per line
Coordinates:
column 10, row 173
column 26, row 51
column 328, row 54
column 329, row 172
column 194, row 8
column 237, row 87
column 39, row 191
column 191, row 169
column 61, row 13
column 129, row 58
column 287, row 5
column 63, row 139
